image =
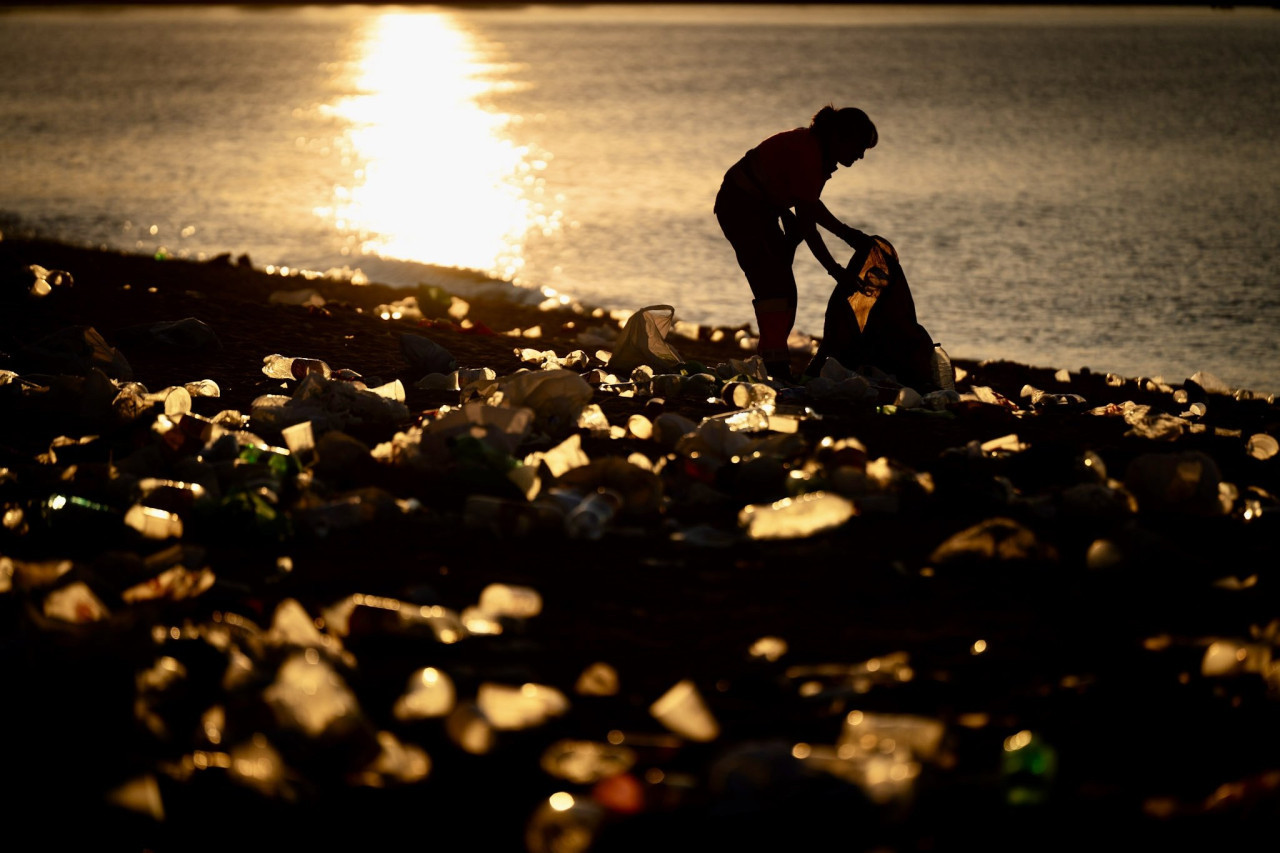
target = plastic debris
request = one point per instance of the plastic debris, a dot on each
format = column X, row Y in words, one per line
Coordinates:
column 425, row 355
column 286, row 367
column 598, row 679
column 790, row 518
column 683, row 710
column 508, row 707
column 430, row 693
column 105, row 519
column 586, row 762
column 1262, row 446
column 302, row 296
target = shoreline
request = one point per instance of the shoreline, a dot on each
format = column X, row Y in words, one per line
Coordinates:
column 1081, row 557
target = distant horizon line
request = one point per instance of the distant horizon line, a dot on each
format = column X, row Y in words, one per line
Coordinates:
column 517, row 5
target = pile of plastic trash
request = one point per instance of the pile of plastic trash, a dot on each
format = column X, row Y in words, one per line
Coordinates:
column 128, row 526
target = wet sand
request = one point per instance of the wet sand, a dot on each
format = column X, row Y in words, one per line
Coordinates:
column 1034, row 617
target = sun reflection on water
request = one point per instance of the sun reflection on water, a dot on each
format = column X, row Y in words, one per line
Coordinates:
column 434, row 177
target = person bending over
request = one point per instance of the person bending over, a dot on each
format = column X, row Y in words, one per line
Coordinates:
column 771, row 200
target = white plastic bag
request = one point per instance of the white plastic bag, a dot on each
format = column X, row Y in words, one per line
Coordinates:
column 643, row 340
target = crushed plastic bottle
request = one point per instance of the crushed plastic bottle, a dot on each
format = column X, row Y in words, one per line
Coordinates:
column 753, row 419
column 939, row 400
column 131, row 402
column 284, row 367
column 792, row 518
column 203, row 388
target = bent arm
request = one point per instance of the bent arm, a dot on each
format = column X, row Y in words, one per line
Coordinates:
column 809, row 215
column 827, row 219
column 847, row 233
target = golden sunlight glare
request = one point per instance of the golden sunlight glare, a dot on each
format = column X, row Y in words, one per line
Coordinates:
column 433, row 178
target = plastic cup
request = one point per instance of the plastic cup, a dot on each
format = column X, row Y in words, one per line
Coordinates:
column 682, row 710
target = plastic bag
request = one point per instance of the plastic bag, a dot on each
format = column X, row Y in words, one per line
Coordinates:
column 557, row 397
column 643, row 340
column 871, row 322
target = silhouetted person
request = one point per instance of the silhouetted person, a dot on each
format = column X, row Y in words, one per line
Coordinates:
column 770, row 201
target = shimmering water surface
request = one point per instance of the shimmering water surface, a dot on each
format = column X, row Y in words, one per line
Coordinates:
column 1066, row 187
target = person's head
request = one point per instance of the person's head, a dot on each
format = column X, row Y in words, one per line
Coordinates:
column 845, row 133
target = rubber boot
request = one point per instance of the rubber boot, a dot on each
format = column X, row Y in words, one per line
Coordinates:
column 775, row 318
column 780, row 371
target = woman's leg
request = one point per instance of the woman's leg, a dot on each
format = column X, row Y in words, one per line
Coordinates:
column 775, row 317
column 765, row 255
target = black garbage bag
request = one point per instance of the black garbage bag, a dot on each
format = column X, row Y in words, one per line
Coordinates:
column 872, row 322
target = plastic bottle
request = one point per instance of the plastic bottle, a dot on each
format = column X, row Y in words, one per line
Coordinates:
column 170, row 495
column 153, row 523
column 515, row 601
column 747, row 394
column 203, row 388
column 944, row 374
column 753, row 419
column 131, row 402
column 465, row 376
column 284, row 367
column 77, row 516
column 794, row 518
column 175, row 399
column 593, row 513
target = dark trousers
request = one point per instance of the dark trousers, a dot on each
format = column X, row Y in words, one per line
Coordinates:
column 764, row 251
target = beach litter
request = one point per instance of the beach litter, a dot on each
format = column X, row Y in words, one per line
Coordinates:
column 709, row 604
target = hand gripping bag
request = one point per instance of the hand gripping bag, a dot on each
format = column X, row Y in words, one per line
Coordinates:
column 872, row 323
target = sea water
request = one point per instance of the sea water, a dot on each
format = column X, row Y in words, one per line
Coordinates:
column 1066, row 187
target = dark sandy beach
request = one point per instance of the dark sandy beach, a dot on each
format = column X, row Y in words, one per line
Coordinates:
column 1041, row 616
